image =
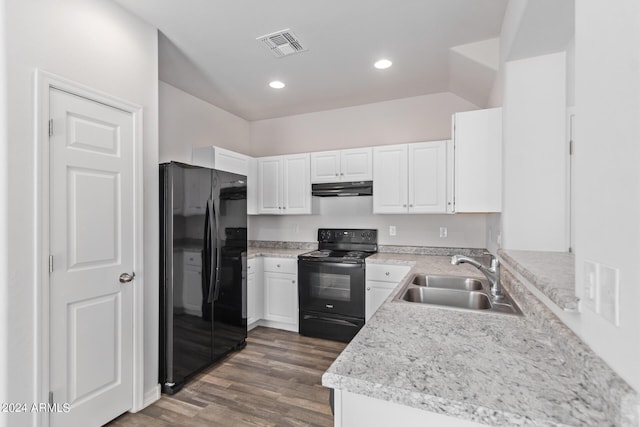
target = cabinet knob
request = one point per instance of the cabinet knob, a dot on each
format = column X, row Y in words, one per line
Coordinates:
column 410, row 206
column 404, row 206
column 278, row 265
column 341, row 173
column 293, row 281
column 336, row 174
column 248, row 267
column 387, row 273
column 369, row 289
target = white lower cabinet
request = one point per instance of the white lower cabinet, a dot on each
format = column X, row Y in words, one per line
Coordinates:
column 255, row 294
column 272, row 289
column 355, row 410
column 381, row 280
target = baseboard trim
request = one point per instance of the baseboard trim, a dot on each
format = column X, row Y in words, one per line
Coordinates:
column 151, row 396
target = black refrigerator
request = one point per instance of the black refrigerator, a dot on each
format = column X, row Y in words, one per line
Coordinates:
column 203, row 254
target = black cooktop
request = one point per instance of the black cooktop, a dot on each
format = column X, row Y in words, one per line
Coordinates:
column 339, row 256
column 343, row 245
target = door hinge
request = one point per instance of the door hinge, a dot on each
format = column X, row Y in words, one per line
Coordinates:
column 571, row 147
column 51, row 398
column 50, row 263
column 50, row 127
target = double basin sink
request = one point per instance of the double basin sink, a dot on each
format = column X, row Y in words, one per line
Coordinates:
column 455, row 292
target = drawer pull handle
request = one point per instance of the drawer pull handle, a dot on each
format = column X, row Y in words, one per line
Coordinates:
column 386, row 274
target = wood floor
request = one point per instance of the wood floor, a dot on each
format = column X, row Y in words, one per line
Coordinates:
column 274, row 381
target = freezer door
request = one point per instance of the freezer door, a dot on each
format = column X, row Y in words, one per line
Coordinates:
column 186, row 320
column 229, row 205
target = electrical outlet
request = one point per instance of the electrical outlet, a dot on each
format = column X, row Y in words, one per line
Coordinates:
column 443, row 231
column 608, row 294
column 392, row 230
column 589, row 286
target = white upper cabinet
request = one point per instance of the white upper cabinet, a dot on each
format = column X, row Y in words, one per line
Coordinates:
column 342, row 165
column 296, row 186
column 284, row 185
column 325, row 167
column 390, row 179
column 428, row 177
column 477, row 137
column 410, row 178
column 229, row 161
column 221, row 159
column 270, row 185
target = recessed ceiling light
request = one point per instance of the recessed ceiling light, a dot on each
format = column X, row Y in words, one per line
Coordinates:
column 383, row 64
column 276, row 84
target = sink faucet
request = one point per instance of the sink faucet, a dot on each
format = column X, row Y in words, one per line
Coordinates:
column 492, row 273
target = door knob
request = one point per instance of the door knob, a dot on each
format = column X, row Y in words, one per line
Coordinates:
column 126, row 277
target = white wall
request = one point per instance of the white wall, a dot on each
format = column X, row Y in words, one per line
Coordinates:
column 534, row 154
column 98, row 44
column 187, row 122
column 4, row 294
column 466, row 231
column 607, row 159
column 420, row 118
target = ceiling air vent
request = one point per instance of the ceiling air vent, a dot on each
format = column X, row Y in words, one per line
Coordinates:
column 282, row 43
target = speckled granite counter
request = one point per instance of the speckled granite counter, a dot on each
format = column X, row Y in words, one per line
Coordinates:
column 551, row 272
column 275, row 252
column 489, row 368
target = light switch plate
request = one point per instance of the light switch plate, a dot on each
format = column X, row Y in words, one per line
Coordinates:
column 608, row 295
column 590, row 285
column 392, row 230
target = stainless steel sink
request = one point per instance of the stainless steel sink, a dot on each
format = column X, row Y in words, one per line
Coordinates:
column 447, row 282
column 456, row 292
column 449, row 297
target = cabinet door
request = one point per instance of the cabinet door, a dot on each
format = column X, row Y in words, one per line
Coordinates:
column 251, row 299
column 230, row 161
column 325, row 167
column 428, row 177
column 255, row 297
column 477, row 137
column 269, row 185
column 390, row 179
column 252, row 187
column 376, row 294
column 356, row 164
column 280, row 297
column 296, row 184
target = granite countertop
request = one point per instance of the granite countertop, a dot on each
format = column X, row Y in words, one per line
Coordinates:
column 551, row 272
column 275, row 252
column 484, row 367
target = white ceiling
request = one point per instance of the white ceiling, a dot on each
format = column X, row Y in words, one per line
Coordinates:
column 208, row 48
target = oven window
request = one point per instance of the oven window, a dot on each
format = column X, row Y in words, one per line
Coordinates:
column 328, row 286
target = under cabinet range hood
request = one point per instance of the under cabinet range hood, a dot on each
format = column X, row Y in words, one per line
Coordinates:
column 339, row 189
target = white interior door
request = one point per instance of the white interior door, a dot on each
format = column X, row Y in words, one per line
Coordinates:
column 92, row 244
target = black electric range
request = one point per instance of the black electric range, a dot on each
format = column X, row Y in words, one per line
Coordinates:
column 331, row 283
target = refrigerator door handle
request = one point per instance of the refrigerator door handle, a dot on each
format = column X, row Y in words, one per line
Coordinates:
column 212, row 251
column 216, row 282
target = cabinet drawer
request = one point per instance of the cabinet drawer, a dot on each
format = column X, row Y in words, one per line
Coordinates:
column 281, row 265
column 386, row 272
column 192, row 258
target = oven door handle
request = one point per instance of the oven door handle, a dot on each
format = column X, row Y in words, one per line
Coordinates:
column 341, row 264
column 329, row 320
